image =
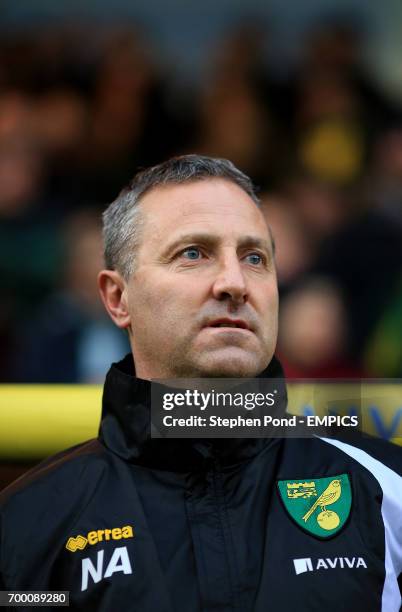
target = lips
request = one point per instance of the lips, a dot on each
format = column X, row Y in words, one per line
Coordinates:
column 233, row 323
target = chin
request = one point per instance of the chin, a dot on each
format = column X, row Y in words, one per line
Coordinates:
column 232, row 367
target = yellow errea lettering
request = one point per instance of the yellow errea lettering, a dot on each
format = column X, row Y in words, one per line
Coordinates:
column 100, row 534
column 79, row 542
column 116, row 533
column 92, row 537
column 107, row 534
column 127, row 531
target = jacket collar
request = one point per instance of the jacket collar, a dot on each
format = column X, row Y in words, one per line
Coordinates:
column 126, row 427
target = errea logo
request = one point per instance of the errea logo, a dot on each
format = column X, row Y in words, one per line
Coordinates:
column 310, row 565
column 79, row 542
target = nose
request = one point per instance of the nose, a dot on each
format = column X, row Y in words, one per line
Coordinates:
column 230, row 283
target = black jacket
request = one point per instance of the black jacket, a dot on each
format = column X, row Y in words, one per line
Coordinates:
column 126, row 523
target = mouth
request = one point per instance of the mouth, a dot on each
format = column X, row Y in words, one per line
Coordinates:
column 229, row 324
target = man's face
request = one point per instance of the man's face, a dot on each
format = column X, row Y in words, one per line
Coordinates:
column 203, row 298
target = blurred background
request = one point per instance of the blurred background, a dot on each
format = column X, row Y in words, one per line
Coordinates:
column 307, row 101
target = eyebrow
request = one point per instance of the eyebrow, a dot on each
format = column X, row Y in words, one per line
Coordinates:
column 211, row 240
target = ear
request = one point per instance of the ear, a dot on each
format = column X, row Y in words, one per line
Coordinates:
column 112, row 288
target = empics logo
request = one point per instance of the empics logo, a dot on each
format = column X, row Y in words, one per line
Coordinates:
column 79, row 542
column 308, row 565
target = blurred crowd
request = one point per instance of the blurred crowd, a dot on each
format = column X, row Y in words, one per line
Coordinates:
column 81, row 110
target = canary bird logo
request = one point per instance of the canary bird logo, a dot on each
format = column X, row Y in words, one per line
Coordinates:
column 327, row 518
column 333, row 499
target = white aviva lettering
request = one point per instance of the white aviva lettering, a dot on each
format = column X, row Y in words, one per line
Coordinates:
column 340, row 562
column 119, row 562
column 309, row 565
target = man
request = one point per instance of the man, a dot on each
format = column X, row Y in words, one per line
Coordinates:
column 130, row 522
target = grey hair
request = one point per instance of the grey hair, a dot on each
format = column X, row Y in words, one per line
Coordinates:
column 123, row 221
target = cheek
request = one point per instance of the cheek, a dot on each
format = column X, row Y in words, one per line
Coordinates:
column 268, row 300
column 160, row 302
column 146, row 303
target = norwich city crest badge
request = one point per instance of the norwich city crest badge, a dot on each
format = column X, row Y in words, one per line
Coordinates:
column 320, row 506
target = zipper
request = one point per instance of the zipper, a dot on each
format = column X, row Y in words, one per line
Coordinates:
column 228, row 544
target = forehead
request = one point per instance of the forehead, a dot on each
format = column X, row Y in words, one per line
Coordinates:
column 215, row 206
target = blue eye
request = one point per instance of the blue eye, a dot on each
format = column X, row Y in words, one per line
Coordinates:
column 254, row 258
column 192, row 253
